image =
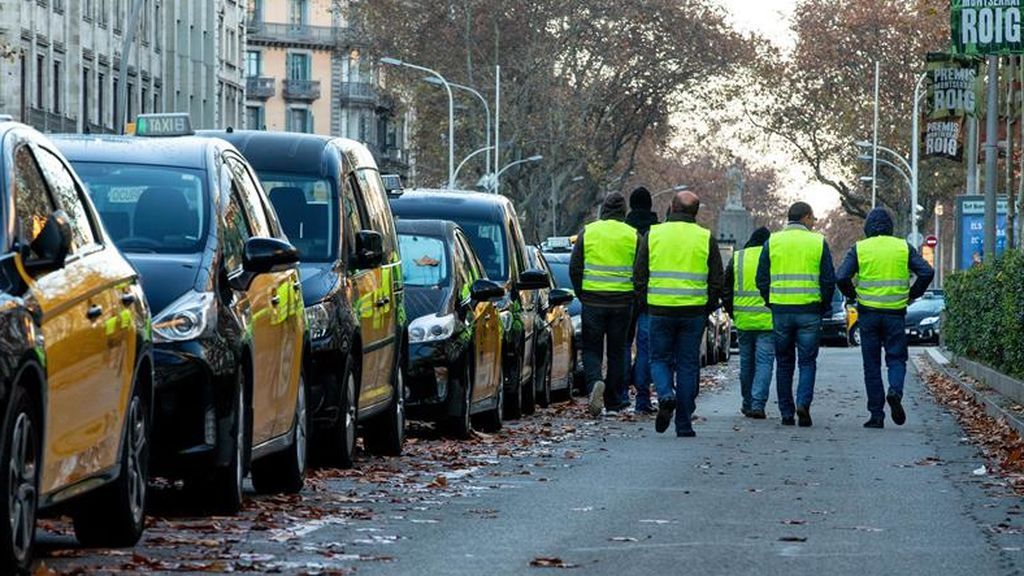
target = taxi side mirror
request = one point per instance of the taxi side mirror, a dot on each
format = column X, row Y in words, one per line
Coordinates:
column 369, row 249
column 486, row 291
column 560, row 297
column 51, row 246
column 534, row 279
column 263, row 255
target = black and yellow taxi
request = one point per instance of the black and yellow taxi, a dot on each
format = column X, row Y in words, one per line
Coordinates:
column 332, row 204
column 555, row 358
column 492, row 227
column 77, row 367
column 228, row 327
column 454, row 371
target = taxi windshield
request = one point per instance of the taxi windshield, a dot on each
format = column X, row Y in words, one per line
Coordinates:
column 424, row 261
column 149, row 209
column 306, row 208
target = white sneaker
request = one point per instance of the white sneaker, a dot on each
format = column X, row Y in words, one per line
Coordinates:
column 596, row 402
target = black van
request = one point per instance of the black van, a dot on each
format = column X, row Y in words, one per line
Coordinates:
column 491, row 224
column 332, row 205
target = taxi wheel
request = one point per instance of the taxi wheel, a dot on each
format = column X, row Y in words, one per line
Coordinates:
column 339, row 448
column 544, row 395
column 513, row 404
column 855, row 335
column 20, row 484
column 223, row 490
column 460, row 425
column 490, row 421
column 387, row 433
column 284, row 472
column 115, row 515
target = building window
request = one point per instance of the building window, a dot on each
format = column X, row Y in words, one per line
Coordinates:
column 253, row 63
column 88, row 9
column 254, row 118
column 58, row 6
column 40, row 62
column 156, row 102
column 157, row 30
column 56, row 86
column 298, row 13
column 256, row 11
column 101, row 93
column 86, row 112
column 131, row 102
column 300, row 120
column 298, row 66
column 115, row 112
column 144, row 100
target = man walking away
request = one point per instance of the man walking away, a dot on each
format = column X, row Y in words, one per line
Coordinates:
column 796, row 278
column 601, row 271
column 679, row 268
column 753, row 322
column 642, row 218
column 882, row 265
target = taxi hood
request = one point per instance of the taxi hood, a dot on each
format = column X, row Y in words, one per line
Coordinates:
column 318, row 281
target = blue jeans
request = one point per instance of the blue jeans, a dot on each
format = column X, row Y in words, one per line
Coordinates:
column 675, row 362
column 796, row 335
column 642, row 367
column 605, row 331
column 878, row 331
column 757, row 361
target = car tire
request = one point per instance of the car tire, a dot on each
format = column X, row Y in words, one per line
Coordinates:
column 284, row 472
column 544, row 393
column 339, row 447
column 20, row 451
column 460, row 425
column 115, row 515
column 491, row 420
column 387, row 434
column 513, row 403
column 222, row 490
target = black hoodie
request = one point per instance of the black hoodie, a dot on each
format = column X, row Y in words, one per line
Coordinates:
column 642, row 220
column 879, row 223
column 758, row 238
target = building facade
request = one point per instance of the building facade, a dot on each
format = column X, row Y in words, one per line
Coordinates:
column 60, row 61
column 307, row 71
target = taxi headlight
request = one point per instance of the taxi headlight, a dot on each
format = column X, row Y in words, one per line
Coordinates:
column 431, row 328
column 184, row 319
column 930, row 321
column 318, row 320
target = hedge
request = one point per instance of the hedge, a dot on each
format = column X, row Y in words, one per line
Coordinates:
column 985, row 314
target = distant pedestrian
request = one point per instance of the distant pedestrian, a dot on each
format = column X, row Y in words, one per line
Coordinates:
column 679, row 268
column 601, row 271
column 753, row 321
column 642, row 218
column 796, row 278
column 876, row 272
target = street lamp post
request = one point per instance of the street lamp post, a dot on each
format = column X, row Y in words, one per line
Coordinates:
column 906, row 177
column 470, row 157
column 487, row 115
column 915, row 160
column 497, row 176
column 451, row 111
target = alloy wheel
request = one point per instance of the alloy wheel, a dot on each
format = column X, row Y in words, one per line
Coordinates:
column 350, row 413
column 136, row 459
column 22, row 481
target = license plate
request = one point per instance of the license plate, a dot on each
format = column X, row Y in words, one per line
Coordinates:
column 909, row 332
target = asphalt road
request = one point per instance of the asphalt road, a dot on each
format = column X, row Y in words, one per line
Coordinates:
column 613, row 497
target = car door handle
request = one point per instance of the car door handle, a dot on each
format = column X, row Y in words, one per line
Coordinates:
column 275, row 300
column 383, row 302
column 94, row 312
column 128, row 299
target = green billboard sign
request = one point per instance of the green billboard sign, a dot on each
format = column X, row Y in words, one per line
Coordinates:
column 986, row 27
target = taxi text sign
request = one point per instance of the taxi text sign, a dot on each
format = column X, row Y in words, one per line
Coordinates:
column 985, row 27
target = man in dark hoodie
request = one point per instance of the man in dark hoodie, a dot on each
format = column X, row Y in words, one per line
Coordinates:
column 876, row 272
column 679, row 269
column 796, row 278
column 642, row 218
column 753, row 322
column 601, row 271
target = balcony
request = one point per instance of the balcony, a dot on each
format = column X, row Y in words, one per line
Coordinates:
column 49, row 122
column 358, row 93
column 305, row 90
column 276, row 34
column 259, row 87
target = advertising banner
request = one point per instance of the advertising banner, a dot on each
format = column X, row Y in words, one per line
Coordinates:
column 951, row 97
column 987, row 27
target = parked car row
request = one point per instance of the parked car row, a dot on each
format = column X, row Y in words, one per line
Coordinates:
column 207, row 307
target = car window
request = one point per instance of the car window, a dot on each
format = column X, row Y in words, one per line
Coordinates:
column 351, row 214
column 560, row 273
column 377, row 205
column 249, row 194
column 488, row 240
column 33, row 204
column 149, row 209
column 306, row 208
column 251, row 185
column 542, row 263
column 424, row 261
column 474, row 267
column 463, row 274
column 69, row 199
column 927, row 305
column 516, row 246
column 236, row 232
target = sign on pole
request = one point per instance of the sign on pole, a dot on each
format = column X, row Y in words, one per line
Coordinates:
column 952, row 97
column 970, row 233
column 931, row 241
column 987, row 27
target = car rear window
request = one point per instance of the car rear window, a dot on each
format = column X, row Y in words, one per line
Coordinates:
column 424, row 261
column 149, row 209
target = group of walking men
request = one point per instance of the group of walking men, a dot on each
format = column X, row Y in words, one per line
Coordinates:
column 658, row 282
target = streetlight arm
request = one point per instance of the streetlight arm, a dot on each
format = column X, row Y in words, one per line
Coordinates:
column 898, row 171
column 451, row 110
column 516, row 163
column 470, row 157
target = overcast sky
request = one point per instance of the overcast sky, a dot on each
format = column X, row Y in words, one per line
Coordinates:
column 769, row 17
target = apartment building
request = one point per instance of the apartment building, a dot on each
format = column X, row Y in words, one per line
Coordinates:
column 61, row 62
column 307, row 70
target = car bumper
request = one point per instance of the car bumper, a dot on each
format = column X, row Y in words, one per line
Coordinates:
column 193, row 401
column 832, row 330
column 922, row 334
column 428, row 378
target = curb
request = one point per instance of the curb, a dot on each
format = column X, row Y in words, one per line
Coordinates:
column 996, row 405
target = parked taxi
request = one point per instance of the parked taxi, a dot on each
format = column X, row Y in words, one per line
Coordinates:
column 77, row 359
column 555, row 359
column 191, row 216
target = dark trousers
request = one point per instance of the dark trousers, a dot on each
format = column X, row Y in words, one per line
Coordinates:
column 797, row 336
column 605, row 331
column 878, row 332
column 675, row 362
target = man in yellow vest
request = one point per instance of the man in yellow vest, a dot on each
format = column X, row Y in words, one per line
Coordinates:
column 679, row 269
column 753, row 321
column 601, row 271
column 876, row 272
column 796, row 278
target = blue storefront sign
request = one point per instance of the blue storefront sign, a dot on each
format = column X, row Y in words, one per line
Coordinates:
column 970, row 214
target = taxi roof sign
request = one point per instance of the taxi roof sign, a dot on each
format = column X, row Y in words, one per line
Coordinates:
column 175, row 124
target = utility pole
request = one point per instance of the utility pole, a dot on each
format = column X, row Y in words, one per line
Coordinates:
column 874, row 148
column 1010, row 74
column 497, row 127
column 991, row 158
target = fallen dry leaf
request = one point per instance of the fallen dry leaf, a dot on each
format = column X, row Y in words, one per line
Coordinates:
column 793, row 539
column 551, row 562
